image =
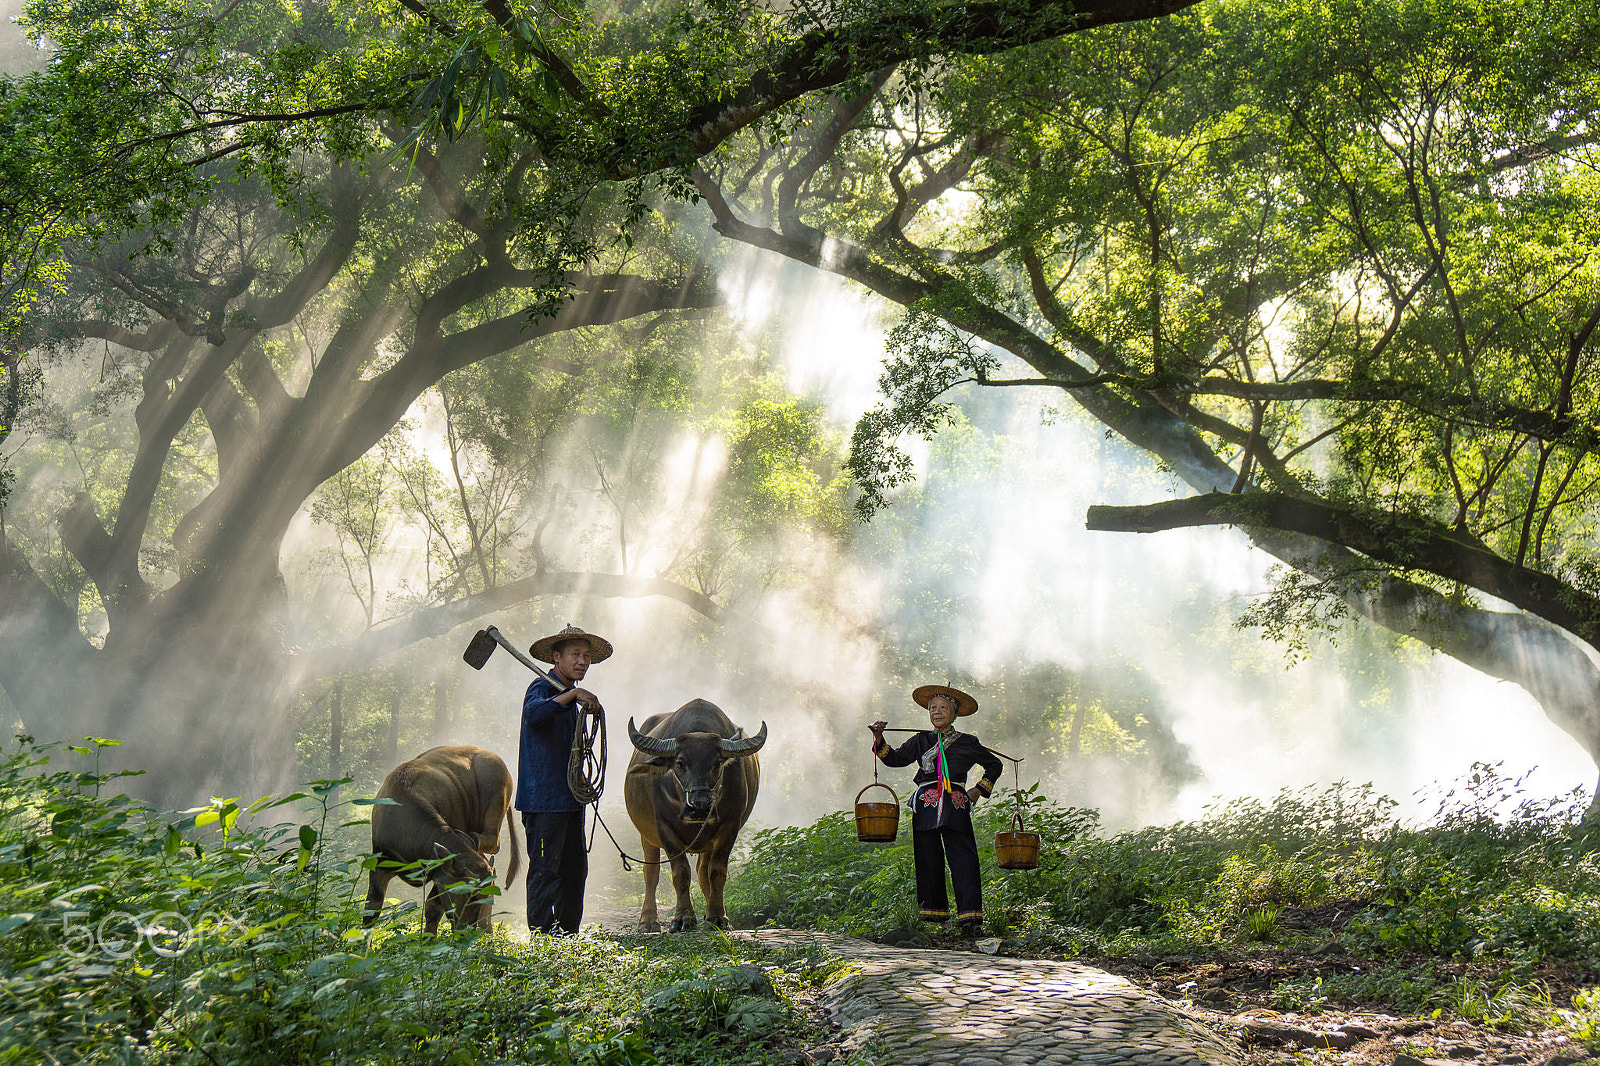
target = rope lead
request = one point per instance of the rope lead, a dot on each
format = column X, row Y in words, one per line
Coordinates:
column 586, row 765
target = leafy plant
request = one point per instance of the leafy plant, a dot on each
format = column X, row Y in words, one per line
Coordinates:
column 727, row 998
column 216, row 936
column 1583, row 1020
column 1262, row 923
column 1494, row 879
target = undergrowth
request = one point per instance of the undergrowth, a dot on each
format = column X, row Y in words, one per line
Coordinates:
column 221, row 936
column 1492, row 882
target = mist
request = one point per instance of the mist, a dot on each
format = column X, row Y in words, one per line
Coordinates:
column 1109, row 663
column 1008, row 492
column 982, row 574
column 17, row 53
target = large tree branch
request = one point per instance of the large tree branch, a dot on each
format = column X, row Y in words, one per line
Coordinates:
column 1139, row 419
column 452, row 200
column 156, row 435
column 262, row 384
column 232, row 426
column 344, row 212
column 340, row 419
column 824, row 58
column 375, row 405
column 468, row 289
column 1550, row 426
column 1555, row 426
column 85, row 536
column 1532, row 153
column 149, row 341
column 1403, row 545
column 1518, row 648
column 602, row 301
column 843, row 112
column 175, row 389
column 436, row 621
column 910, row 201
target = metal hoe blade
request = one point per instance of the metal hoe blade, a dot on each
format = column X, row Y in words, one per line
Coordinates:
column 479, row 650
column 483, row 645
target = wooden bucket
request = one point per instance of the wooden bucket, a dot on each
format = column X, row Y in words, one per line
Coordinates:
column 877, row 823
column 1018, row 849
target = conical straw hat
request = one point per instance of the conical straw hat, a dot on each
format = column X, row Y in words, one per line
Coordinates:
column 544, row 649
column 965, row 704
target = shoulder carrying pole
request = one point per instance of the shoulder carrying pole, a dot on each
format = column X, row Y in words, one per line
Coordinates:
column 985, row 747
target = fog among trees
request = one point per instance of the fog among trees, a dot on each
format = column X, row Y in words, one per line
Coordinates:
column 333, row 330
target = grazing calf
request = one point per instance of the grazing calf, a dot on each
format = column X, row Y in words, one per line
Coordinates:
column 448, row 804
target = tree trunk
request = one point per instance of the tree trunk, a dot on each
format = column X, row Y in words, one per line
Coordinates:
column 441, row 711
column 336, row 730
column 392, row 749
column 1075, row 775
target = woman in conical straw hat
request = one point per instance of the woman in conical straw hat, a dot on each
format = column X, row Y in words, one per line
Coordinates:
column 552, row 817
column 941, row 804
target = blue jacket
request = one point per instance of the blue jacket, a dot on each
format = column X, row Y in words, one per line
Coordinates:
column 542, row 755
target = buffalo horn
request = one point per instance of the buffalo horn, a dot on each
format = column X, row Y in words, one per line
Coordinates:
column 747, row 745
column 651, row 745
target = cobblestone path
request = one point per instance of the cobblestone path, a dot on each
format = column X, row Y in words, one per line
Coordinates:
column 957, row 1008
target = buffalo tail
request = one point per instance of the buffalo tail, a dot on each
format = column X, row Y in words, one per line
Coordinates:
column 516, row 853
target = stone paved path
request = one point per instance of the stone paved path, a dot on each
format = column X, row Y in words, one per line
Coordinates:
column 956, row 1008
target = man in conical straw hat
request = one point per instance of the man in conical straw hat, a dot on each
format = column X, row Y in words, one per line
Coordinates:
column 941, row 804
column 552, row 817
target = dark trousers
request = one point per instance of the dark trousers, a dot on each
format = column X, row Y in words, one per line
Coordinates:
column 558, row 866
column 930, row 848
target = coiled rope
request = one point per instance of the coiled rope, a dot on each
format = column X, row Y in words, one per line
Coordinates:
column 586, row 765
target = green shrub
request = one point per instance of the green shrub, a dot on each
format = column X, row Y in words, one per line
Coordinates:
column 1518, row 1006
column 725, row 999
column 1262, row 923
column 1493, row 875
column 821, row 877
column 132, row 936
column 1583, row 1020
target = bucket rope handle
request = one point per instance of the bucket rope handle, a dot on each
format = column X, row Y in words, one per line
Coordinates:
column 1016, row 795
column 879, row 784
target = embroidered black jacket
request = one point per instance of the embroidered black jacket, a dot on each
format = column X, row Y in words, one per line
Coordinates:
column 961, row 753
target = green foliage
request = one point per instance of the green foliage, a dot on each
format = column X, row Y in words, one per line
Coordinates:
column 1513, row 1002
column 819, row 876
column 781, row 467
column 1583, row 1020
column 136, row 936
column 1261, row 923
column 927, row 358
column 1488, row 878
column 1319, row 248
column 737, row 998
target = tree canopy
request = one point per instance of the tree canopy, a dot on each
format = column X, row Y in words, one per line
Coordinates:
column 1333, row 265
column 1330, row 264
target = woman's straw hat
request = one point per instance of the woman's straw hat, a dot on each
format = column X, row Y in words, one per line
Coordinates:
column 544, row 649
column 965, row 704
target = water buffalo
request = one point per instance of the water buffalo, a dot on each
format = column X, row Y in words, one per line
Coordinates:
column 690, row 787
column 449, row 802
